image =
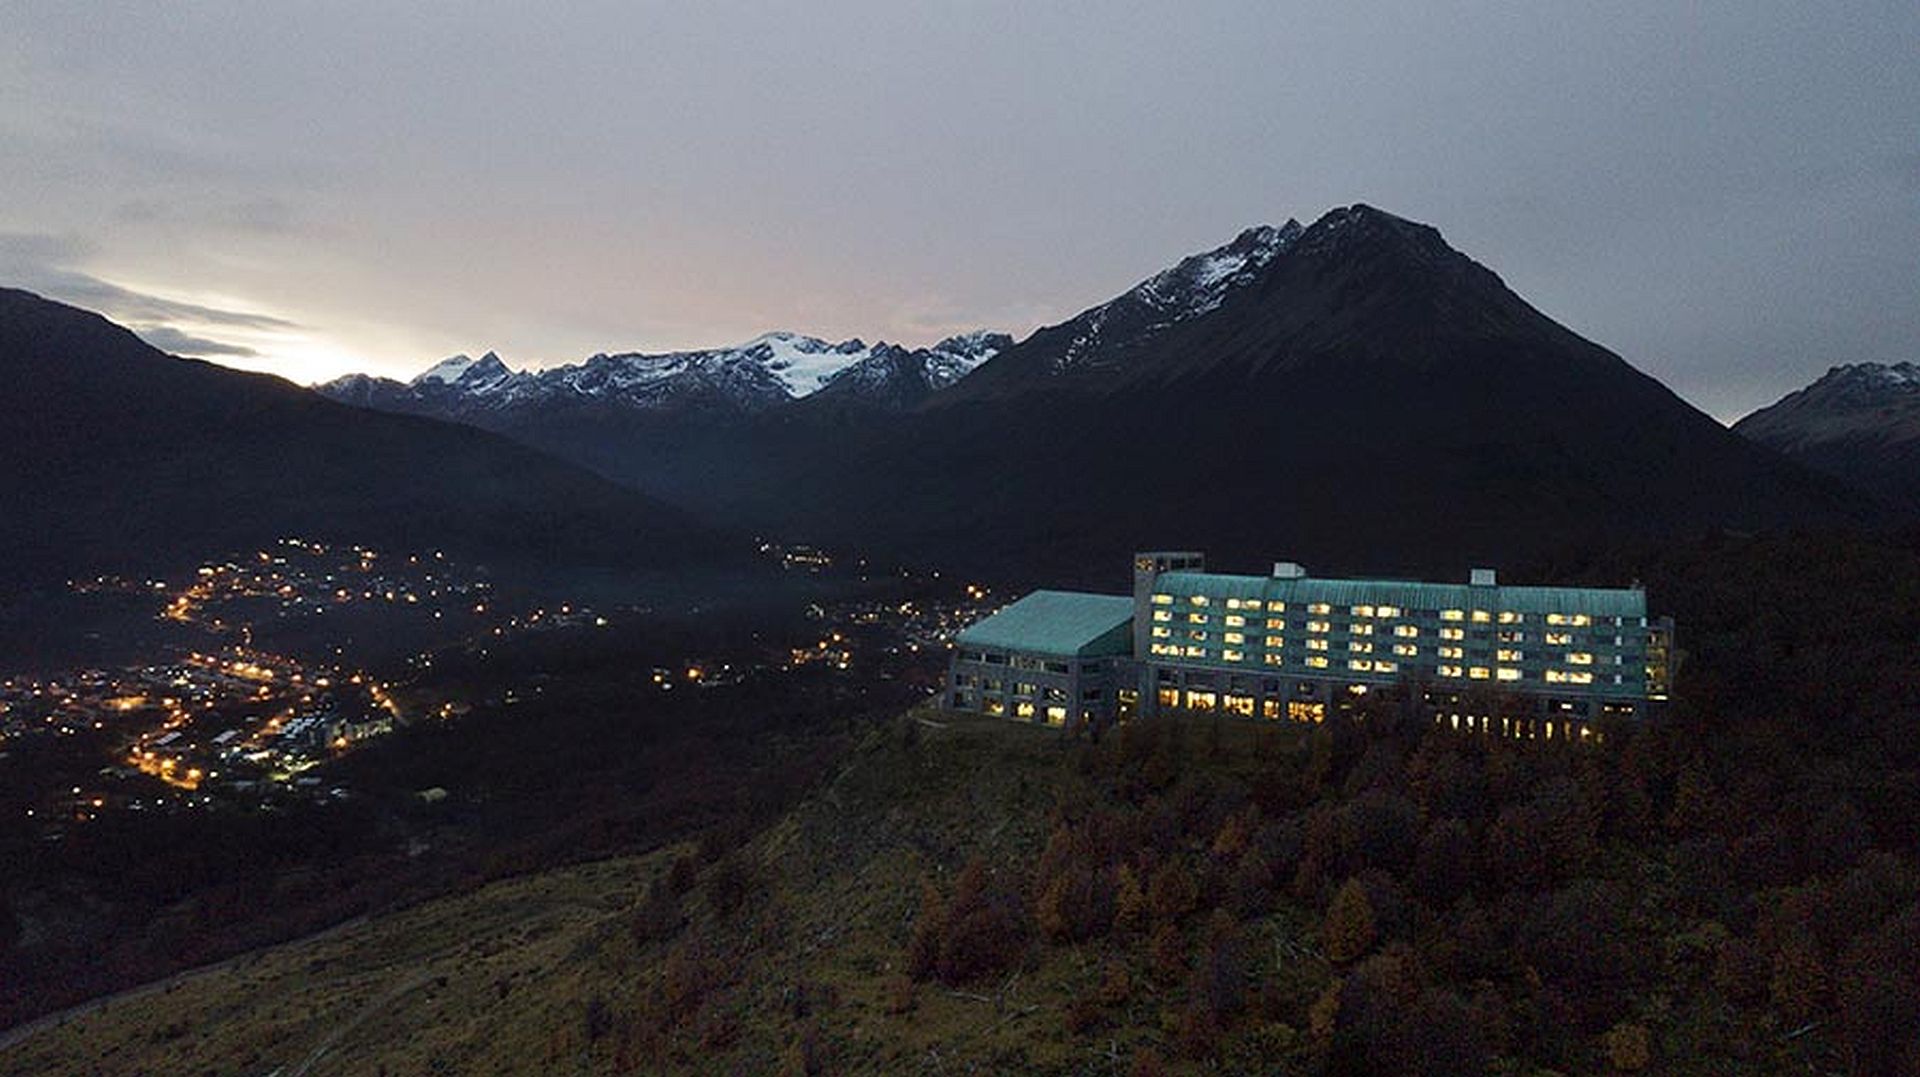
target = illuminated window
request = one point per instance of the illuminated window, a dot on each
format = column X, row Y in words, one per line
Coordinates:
column 1236, row 620
column 1242, row 705
column 1579, row 620
column 1276, row 641
column 1274, row 659
column 1453, row 633
column 1023, row 710
column 1270, row 708
column 1168, row 697
column 1505, row 655
column 1560, row 638
column 1163, row 600
column 1478, row 673
column 1161, row 631
column 1453, row 615
column 1319, row 626
column 1276, row 606
column 1056, row 716
column 1197, row 634
column 1234, row 637
column 1164, row 648
column 1199, row 600
column 1386, row 667
column 1317, row 661
column 1406, row 631
column 1511, row 636
column 1196, row 652
column 1197, row 618
column 1201, row 701
column 1316, row 645
column 1232, row 655
column 1386, row 611
column 1508, row 673
column 1361, row 611
column 1233, row 603
column 1303, row 711
column 1362, row 630
column 1364, row 665
column 1481, row 617
column 1451, row 652
column 1554, row 676
column 1360, row 647
column 1276, row 623
column 1320, row 608
column 1406, row 650
column 1163, row 615
column 1449, row 671
column 1509, row 617
column 1579, row 676
column 996, row 708
column 1580, row 658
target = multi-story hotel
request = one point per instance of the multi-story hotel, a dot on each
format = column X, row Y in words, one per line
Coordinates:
column 1536, row 660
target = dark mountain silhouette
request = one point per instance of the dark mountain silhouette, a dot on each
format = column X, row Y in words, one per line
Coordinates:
column 1860, row 422
column 120, row 457
column 1361, row 396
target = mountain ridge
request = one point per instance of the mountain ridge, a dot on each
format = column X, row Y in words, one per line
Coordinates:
column 125, row 456
column 1859, row 422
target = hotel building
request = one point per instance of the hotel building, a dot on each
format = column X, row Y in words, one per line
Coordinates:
column 1530, row 660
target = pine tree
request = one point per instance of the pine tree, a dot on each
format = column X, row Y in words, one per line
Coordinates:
column 1349, row 930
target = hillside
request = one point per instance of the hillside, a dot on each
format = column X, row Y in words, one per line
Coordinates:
column 1859, row 422
column 122, row 457
column 1733, row 891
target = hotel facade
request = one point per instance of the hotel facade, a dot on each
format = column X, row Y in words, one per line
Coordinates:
column 1531, row 661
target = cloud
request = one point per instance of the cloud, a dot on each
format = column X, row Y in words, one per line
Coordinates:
column 169, row 339
column 43, row 263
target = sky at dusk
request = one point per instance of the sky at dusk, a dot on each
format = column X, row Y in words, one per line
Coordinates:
column 1727, row 194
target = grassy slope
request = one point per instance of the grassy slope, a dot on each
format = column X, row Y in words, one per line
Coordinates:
column 502, row 980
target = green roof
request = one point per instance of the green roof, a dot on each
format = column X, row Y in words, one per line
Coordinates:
column 1409, row 595
column 1066, row 624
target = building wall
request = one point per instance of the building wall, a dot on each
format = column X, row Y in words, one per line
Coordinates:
column 1279, row 649
column 1045, row 689
column 1249, row 644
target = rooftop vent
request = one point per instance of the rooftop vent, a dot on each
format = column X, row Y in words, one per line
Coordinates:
column 1289, row 570
column 1483, row 577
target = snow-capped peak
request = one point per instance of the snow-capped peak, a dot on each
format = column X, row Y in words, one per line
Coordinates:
column 956, row 357
column 466, row 371
column 802, row 364
column 1199, row 283
column 447, row 370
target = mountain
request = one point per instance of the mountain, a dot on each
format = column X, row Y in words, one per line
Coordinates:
column 1860, row 422
column 761, row 375
column 1356, row 394
column 121, row 456
column 1098, row 342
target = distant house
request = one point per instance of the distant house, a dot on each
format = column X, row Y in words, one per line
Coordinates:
column 1288, row 646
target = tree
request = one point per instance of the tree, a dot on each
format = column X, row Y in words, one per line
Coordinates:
column 1173, row 893
column 1129, row 901
column 1349, row 930
column 1628, row 1047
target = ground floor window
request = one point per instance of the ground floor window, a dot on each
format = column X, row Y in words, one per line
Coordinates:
column 996, row 708
column 1302, row 711
column 1056, row 716
column 1202, row 701
column 1023, row 710
column 1241, row 705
